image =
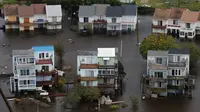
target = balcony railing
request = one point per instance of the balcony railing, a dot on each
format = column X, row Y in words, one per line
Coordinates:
column 157, row 79
column 54, row 22
column 26, row 24
column 176, row 77
column 45, row 73
column 178, row 87
column 11, row 22
column 40, row 21
column 88, row 66
column 158, row 26
column 178, row 26
column 108, row 66
column 187, row 29
column 88, row 78
column 158, row 90
column 44, row 61
column 100, row 21
column 106, row 85
column 44, row 83
column 177, row 64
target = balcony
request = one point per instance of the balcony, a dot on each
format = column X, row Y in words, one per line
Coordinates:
column 106, row 85
column 157, row 66
column 44, row 73
column 179, row 87
column 158, row 90
column 108, row 66
column 88, row 78
column 31, row 87
column 54, row 22
column 26, row 24
column 40, row 21
column 88, row 66
column 106, row 76
column 156, row 79
column 177, row 64
column 44, row 83
column 177, row 26
column 11, row 22
column 176, row 77
column 101, row 21
column 158, row 26
column 44, row 61
column 28, row 64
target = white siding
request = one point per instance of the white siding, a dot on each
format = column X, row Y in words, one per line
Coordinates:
column 21, row 20
column 50, row 27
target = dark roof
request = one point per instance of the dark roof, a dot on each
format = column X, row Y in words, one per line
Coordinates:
column 114, row 11
column 10, row 10
column 25, row 11
column 129, row 9
column 4, row 105
column 179, row 51
column 39, row 8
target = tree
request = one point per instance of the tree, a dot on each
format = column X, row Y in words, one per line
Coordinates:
column 157, row 42
column 134, row 103
column 8, row 2
column 113, row 2
column 60, row 52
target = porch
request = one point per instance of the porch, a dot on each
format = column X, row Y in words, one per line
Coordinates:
column 99, row 26
column 187, row 33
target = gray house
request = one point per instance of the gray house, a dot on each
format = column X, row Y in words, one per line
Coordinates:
column 114, row 19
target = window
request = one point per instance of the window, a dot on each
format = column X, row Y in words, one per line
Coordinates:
column 54, row 19
column 90, row 73
column 182, row 33
column 24, row 72
column 24, row 60
column 20, row 60
column 40, row 55
column 159, row 60
column 114, row 20
column 173, row 72
column 160, row 23
column 31, row 82
column 178, row 58
column 31, row 60
column 158, row 74
column 104, row 72
column 160, row 84
column 179, row 72
column 99, row 72
column 15, row 68
column 15, row 58
column 114, row 27
column 105, row 62
column 47, row 55
column 85, row 19
column 24, row 82
column 112, row 72
column 189, row 33
column 27, row 72
column 175, row 22
column 45, row 68
column 176, row 72
column 187, row 25
column 177, row 82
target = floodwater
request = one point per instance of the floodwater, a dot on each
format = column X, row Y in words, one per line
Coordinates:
column 134, row 65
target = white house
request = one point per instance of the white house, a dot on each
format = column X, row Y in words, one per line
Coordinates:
column 23, row 70
column 160, row 20
column 129, row 18
column 114, row 20
column 174, row 24
column 11, row 17
column 86, row 17
column 54, row 17
column 40, row 18
column 26, row 17
column 87, row 68
column 189, row 20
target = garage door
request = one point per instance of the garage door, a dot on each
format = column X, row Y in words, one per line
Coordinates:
column 26, row 20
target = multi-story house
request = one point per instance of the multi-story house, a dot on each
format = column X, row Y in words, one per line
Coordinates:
column 108, row 70
column 40, row 18
column 178, row 67
column 86, row 18
column 157, row 72
column 87, row 68
column 100, row 22
column 33, row 68
column 174, row 24
column 24, row 70
column 26, row 17
column 129, row 18
column 44, row 65
column 114, row 20
column 11, row 17
column 160, row 22
column 188, row 24
column 54, row 17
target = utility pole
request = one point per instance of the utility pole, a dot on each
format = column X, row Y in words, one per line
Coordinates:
column 121, row 47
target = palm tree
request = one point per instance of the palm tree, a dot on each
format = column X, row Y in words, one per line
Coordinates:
column 60, row 52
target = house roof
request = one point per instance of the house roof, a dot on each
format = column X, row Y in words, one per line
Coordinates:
column 161, row 13
column 106, row 52
column 176, row 13
column 179, row 51
column 10, row 9
column 28, row 52
column 5, row 107
column 100, row 9
column 25, row 11
column 53, row 10
column 114, row 11
column 89, row 53
column 86, row 11
column 39, row 8
column 190, row 16
column 157, row 53
column 42, row 48
column 129, row 9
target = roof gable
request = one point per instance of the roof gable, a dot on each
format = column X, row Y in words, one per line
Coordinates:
column 10, row 9
column 39, row 8
column 53, row 10
column 114, row 11
column 129, row 9
column 86, row 11
column 25, row 11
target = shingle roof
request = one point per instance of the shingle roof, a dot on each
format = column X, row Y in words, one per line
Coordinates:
column 179, row 51
column 10, row 9
column 114, row 11
column 53, row 10
column 86, row 11
column 161, row 13
column 129, row 9
column 190, row 16
column 25, row 11
column 39, row 8
column 176, row 13
column 23, row 52
column 100, row 9
column 157, row 53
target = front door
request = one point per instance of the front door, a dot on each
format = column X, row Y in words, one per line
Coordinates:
column 26, row 28
column 26, row 20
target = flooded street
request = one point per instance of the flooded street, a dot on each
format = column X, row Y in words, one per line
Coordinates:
column 134, row 65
